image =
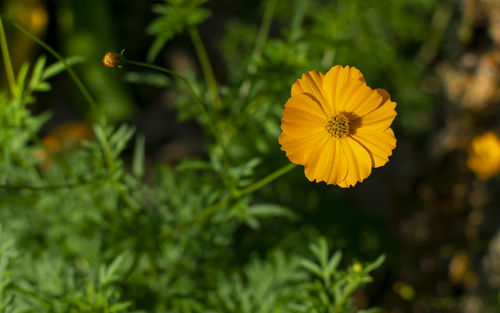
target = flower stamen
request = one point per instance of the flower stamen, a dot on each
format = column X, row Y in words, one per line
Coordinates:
column 338, row 126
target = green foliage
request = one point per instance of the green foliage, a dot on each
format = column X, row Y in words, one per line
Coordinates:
column 97, row 231
column 6, row 256
column 46, row 284
column 87, row 235
column 263, row 286
column 332, row 290
column 175, row 16
column 291, row 284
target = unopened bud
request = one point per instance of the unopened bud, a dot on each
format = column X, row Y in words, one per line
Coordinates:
column 112, row 60
column 357, row 267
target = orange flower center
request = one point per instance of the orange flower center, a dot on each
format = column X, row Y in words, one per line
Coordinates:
column 338, row 126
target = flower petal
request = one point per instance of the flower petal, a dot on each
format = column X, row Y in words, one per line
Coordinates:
column 317, row 162
column 301, row 117
column 359, row 160
column 363, row 100
column 311, row 84
column 379, row 144
column 339, row 84
column 381, row 118
column 328, row 163
column 298, row 150
column 307, row 104
column 339, row 166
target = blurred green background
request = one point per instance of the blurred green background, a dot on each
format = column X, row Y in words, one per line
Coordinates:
column 439, row 59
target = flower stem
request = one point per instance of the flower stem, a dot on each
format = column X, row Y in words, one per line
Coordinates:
column 264, row 29
column 76, row 79
column 203, row 215
column 52, row 187
column 205, row 64
column 197, row 99
column 86, row 94
column 6, row 61
column 266, row 180
column 259, row 45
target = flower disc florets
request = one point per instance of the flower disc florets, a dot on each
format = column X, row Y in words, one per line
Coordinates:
column 338, row 126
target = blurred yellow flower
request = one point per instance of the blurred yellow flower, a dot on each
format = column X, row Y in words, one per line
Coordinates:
column 63, row 139
column 337, row 126
column 484, row 155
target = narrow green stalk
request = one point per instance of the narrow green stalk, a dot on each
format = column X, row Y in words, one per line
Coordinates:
column 51, row 187
column 205, row 65
column 86, row 94
column 39, row 296
column 439, row 25
column 259, row 44
column 203, row 215
column 6, row 61
column 76, row 79
column 37, row 188
column 266, row 180
column 197, row 99
column 264, row 29
column 105, row 146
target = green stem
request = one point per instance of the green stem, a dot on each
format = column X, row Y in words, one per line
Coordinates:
column 6, row 61
column 50, row 187
column 347, row 292
column 86, row 94
column 203, row 215
column 76, row 79
column 438, row 26
column 259, row 45
column 105, row 146
column 266, row 180
column 205, row 65
column 197, row 99
column 45, row 299
column 264, row 29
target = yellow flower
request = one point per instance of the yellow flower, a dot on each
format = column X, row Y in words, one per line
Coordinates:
column 484, row 155
column 337, row 126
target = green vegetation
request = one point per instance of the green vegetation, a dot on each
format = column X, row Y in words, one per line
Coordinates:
column 94, row 218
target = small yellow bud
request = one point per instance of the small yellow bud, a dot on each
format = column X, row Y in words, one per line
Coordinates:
column 112, row 60
column 357, row 268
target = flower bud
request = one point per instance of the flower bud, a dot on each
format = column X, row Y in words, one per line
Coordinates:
column 357, row 267
column 112, row 60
